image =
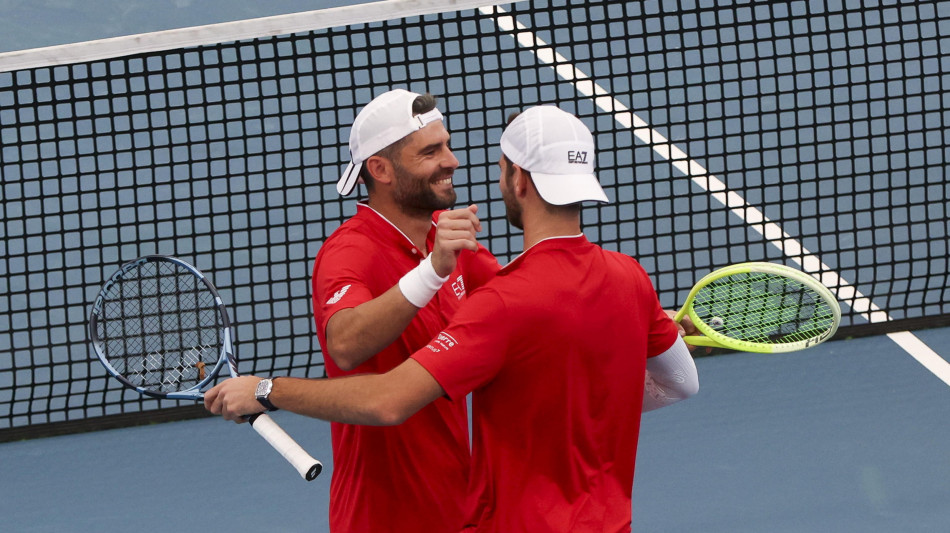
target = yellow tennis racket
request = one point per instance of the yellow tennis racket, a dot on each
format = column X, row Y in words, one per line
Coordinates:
column 760, row 307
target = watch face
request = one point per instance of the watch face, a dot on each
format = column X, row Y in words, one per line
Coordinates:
column 263, row 388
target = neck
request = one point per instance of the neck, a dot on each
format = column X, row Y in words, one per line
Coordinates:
column 416, row 226
column 544, row 225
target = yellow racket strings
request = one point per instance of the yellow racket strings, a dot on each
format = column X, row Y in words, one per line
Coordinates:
column 763, row 308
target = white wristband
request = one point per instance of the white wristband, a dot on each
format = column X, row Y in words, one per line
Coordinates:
column 420, row 284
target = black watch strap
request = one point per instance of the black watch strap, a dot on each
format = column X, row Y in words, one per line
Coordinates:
column 266, row 403
column 264, row 389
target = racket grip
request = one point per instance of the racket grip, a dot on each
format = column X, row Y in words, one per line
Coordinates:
column 308, row 467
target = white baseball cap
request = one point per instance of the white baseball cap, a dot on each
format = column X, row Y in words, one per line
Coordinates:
column 558, row 150
column 385, row 120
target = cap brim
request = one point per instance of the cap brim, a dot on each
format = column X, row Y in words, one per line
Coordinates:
column 350, row 178
column 563, row 189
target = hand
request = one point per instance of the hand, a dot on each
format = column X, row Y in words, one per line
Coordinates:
column 234, row 398
column 455, row 231
column 686, row 327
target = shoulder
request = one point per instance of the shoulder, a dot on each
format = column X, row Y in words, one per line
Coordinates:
column 352, row 232
column 349, row 247
column 625, row 261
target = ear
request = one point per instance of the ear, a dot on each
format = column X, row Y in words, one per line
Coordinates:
column 380, row 168
column 520, row 182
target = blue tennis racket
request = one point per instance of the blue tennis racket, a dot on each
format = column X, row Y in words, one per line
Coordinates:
column 159, row 326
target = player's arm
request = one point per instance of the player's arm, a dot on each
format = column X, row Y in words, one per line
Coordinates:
column 358, row 333
column 367, row 399
column 670, row 377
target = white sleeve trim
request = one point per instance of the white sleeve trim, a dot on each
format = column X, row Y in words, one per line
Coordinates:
column 670, row 377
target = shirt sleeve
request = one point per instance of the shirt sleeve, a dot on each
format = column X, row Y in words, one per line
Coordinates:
column 472, row 349
column 663, row 331
column 339, row 279
column 478, row 268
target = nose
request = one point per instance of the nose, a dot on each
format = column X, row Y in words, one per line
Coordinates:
column 450, row 160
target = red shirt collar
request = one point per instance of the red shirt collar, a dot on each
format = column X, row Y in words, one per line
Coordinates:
column 559, row 242
column 388, row 231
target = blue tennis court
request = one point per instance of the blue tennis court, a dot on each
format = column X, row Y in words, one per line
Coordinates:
column 847, row 437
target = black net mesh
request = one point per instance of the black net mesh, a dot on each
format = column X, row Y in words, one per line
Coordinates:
column 822, row 121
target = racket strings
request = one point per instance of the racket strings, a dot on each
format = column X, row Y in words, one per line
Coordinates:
column 763, row 308
column 160, row 327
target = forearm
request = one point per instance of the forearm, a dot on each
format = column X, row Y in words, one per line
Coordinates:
column 354, row 335
column 357, row 334
column 367, row 399
column 351, row 400
column 670, row 378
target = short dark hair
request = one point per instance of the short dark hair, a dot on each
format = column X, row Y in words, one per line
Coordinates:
column 422, row 104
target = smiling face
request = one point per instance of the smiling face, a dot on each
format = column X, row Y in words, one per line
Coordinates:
column 424, row 167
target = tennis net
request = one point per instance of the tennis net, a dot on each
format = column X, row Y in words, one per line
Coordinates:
column 806, row 133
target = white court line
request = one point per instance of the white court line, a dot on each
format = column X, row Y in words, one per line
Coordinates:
column 755, row 218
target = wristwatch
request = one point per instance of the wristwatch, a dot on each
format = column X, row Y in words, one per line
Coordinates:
column 264, row 389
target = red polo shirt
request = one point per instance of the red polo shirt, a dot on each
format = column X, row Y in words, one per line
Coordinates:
column 555, row 349
column 412, row 477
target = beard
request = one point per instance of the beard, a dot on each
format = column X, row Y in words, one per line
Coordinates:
column 512, row 209
column 414, row 194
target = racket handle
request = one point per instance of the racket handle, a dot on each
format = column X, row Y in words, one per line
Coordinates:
column 701, row 340
column 308, row 467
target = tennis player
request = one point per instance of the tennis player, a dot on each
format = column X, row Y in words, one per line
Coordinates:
column 384, row 283
column 556, row 349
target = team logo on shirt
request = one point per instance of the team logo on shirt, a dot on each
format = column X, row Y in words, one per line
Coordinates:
column 338, row 295
column 442, row 342
column 459, row 287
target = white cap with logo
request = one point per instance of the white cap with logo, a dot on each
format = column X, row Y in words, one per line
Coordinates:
column 558, row 150
column 385, row 120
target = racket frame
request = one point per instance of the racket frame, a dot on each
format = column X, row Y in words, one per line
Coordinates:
column 308, row 467
column 226, row 355
column 714, row 339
